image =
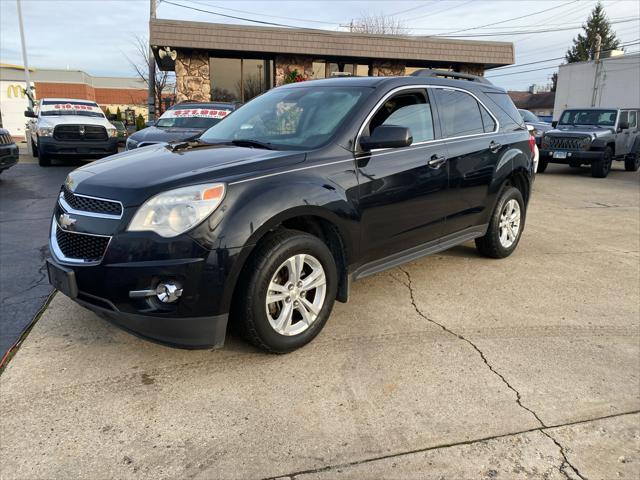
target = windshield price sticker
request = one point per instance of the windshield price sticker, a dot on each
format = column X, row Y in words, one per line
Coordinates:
column 196, row 112
column 71, row 107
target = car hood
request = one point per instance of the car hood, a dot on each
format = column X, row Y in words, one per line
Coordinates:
column 580, row 131
column 135, row 175
column 160, row 135
column 53, row 120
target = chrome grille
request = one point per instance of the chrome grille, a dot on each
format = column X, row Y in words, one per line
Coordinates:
column 5, row 139
column 80, row 132
column 80, row 246
column 566, row 143
column 92, row 205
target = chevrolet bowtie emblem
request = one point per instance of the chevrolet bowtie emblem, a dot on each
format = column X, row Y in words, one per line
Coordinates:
column 65, row 221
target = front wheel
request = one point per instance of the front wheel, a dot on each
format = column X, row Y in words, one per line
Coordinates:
column 600, row 168
column 287, row 292
column 505, row 226
column 632, row 162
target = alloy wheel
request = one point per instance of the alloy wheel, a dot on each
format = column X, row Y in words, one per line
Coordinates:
column 509, row 225
column 296, row 294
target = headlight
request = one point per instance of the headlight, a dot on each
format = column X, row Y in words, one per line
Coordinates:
column 45, row 131
column 131, row 144
column 174, row 212
column 113, row 132
column 546, row 142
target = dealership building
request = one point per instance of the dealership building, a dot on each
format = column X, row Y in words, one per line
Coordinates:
column 126, row 93
column 236, row 62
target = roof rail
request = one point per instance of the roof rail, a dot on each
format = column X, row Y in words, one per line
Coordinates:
column 427, row 72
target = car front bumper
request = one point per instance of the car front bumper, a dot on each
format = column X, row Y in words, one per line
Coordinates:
column 572, row 156
column 53, row 147
column 121, row 286
column 9, row 155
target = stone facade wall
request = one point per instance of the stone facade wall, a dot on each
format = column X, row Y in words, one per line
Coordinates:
column 388, row 69
column 285, row 64
column 193, row 80
column 472, row 69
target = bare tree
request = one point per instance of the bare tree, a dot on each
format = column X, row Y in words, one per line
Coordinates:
column 164, row 83
column 378, row 24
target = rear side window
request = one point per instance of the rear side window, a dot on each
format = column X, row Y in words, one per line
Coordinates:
column 460, row 114
column 410, row 110
column 506, row 111
column 624, row 117
column 633, row 119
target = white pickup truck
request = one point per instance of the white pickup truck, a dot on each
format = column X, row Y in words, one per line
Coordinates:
column 65, row 127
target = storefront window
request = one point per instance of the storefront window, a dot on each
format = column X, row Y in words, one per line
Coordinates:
column 319, row 70
column 239, row 79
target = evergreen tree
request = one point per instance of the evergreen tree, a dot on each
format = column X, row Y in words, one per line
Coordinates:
column 118, row 115
column 139, row 122
column 107, row 113
column 584, row 44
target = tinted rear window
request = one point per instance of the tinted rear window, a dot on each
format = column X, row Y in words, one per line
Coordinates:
column 506, row 111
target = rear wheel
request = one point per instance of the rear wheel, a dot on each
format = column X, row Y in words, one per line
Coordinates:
column 542, row 166
column 600, row 168
column 632, row 162
column 287, row 293
column 505, row 227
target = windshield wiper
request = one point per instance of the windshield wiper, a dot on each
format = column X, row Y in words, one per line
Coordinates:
column 186, row 144
column 242, row 142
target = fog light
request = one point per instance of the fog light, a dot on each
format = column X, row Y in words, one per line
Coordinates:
column 168, row 292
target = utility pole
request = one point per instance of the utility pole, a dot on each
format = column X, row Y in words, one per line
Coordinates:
column 596, row 74
column 24, row 57
column 151, row 100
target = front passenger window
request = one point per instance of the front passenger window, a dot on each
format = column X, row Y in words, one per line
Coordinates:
column 410, row 110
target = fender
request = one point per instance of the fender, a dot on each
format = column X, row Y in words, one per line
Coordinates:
column 253, row 209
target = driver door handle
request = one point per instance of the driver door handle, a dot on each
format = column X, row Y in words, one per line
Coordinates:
column 436, row 161
column 494, row 147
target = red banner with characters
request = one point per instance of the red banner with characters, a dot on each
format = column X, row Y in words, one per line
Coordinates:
column 196, row 112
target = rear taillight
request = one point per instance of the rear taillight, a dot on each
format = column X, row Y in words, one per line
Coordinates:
column 532, row 143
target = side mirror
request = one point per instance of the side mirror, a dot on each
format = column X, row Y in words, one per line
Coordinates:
column 531, row 129
column 554, row 124
column 387, row 136
column 623, row 125
column 149, row 123
column 30, row 114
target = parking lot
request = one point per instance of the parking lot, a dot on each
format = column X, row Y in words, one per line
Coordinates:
column 454, row 366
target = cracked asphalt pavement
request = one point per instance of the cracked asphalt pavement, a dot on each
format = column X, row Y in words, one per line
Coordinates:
column 451, row 367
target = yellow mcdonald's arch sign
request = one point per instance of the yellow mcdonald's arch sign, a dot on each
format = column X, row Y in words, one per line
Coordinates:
column 15, row 91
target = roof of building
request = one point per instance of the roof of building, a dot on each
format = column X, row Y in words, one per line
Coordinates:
column 323, row 43
column 528, row 101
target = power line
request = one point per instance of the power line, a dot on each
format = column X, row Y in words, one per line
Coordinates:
column 511, row 19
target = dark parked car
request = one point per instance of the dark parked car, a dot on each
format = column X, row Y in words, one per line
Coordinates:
column 8, row 150
column 181, row 122
column 593, row 136
column 121, row 131
column 539, row 126
column 270, row 215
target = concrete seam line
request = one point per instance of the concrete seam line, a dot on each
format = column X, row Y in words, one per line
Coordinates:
column 448, row 445
column 8, row 356
column 565, row 461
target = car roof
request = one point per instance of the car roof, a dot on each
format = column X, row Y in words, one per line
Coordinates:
column 203, row 105
column 392, row 82
column 67, row 100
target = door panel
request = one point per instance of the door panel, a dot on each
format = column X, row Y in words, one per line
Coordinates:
column 402, row 199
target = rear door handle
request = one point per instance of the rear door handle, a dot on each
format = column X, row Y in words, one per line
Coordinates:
column 436, row 161
column 494, row 147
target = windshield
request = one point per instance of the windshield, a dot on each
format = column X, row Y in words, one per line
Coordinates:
column 51, row 108
column 527, row 116
column 298, row 118
column 196, row 118
column 603, row 118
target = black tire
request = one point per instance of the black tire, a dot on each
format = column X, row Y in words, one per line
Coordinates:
column 542, row 166
column 600, row 168
column 632, row 162
column 44, row 160
column 34, row 149
column 490, row 245
column 250, row 310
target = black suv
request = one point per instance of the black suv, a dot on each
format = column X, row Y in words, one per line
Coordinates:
column 269, row 216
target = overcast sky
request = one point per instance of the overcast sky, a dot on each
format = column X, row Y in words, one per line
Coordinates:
column 97, row 35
